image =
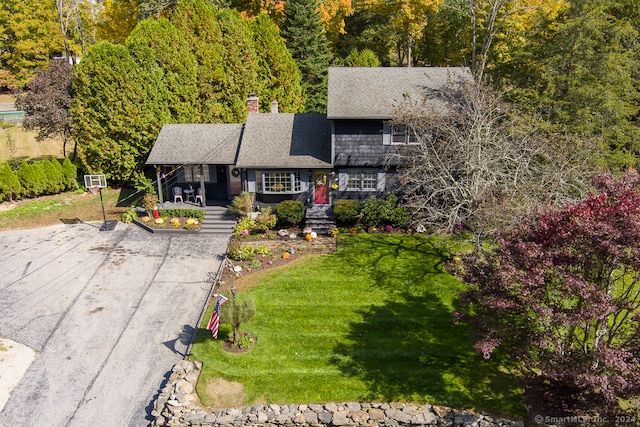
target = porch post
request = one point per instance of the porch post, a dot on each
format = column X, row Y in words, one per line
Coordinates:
column 204, row 196
column 159, row 184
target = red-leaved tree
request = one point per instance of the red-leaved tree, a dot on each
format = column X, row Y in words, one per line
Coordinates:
column 561, row 295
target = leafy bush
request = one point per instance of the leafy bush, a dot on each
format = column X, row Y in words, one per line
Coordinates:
column 242, row 204
column 150, row 201
column 182, row 212
column 70, row 172
column 263, row 250
column 290, row 212
column 239, row 252
column 129, row 215
column 245, row 223
column 377, row 212
column 347, row 211
column 10, row 187
column 266, row 220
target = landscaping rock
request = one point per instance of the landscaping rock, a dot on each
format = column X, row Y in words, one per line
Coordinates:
column 176, row 408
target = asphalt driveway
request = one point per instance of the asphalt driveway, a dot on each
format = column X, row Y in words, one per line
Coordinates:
column 107, row 313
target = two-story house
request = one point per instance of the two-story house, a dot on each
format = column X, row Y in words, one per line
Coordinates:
column 351, row 152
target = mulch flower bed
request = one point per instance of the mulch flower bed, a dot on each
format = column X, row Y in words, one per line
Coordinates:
column 283, row 250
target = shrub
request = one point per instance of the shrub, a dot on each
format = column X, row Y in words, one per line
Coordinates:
column 347, row 211
column 70, row 173
column 290, row 212
column 266, row 220
column 263, row 250
column 377, row 212
column 150, row 201
column 182, row 212
column 54, row 178
column 238, row 252
column 245, row 223
column 129, row 215
column 242, row 204
column 10, row 187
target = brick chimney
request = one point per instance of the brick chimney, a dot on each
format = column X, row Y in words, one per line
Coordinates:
column 274, row 106
column 252, row 103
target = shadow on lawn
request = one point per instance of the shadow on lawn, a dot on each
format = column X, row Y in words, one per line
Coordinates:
column 408, row 347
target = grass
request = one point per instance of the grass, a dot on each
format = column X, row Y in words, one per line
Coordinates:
column 372, row 321
column 17, row 144
column 61, row 208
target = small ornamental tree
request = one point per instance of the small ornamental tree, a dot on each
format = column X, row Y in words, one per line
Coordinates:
column 561, row 295
column 238, row 312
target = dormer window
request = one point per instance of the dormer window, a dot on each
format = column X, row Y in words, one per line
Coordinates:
column 398, row 134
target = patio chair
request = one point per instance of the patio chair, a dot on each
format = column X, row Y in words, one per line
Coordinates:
column 177, row 194
column 199, row 195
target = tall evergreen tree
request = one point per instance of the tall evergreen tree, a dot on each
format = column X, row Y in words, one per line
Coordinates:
column 303, row 32
column 581, row 72
column 279, row 75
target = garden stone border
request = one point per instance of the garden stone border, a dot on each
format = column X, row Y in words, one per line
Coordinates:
column 177, row 406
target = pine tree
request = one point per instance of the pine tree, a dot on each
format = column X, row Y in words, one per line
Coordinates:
column 306, row 40
column 278, row 72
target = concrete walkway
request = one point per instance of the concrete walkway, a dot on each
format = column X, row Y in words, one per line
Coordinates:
column 107, row 315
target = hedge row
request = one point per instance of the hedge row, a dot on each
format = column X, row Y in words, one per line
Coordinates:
column 38, row 178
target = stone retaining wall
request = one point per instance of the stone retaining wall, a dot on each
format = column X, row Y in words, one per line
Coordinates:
column 177, row 406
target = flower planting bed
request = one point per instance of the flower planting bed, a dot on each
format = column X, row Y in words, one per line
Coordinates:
column 171, row 221
column 269, row 253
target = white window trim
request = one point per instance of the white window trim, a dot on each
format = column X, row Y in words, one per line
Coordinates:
column 361, row 171
column 387, row 136
column 294, row 177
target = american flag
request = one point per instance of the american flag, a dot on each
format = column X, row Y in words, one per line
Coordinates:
column 214, row 322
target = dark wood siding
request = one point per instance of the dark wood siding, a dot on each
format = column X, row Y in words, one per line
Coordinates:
column 360, row 143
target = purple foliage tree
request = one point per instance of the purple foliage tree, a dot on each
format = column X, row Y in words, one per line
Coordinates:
column 560, row 295
column 48, row 101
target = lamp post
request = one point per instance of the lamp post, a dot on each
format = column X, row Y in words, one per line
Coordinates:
column 233, row 291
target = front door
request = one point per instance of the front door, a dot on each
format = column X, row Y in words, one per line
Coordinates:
column 321, row 190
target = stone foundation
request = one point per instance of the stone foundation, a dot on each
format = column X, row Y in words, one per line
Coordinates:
column 177, row 406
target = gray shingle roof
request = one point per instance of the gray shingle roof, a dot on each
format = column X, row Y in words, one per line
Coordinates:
column 375, row 92
column 285, row 140
column 196, row 144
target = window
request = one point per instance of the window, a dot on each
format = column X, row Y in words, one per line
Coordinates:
column 192, row 173
column 279, row 182
column 362, row 180
column 403, row 134
column 399, row 134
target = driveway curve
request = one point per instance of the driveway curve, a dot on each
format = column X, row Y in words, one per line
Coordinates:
column 108, row 314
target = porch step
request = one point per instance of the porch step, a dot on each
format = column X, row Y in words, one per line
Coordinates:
column 217, row 220
column 321, row 219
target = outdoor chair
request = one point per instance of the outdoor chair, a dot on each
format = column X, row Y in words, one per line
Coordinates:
column 199, row 195
column 177, row 194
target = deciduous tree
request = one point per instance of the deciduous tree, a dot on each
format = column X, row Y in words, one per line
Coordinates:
column 48, row 101
column 29, row 36
column 480, row 164
column 561, row 295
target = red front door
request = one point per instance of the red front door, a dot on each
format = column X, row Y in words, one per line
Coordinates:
column 321, row 182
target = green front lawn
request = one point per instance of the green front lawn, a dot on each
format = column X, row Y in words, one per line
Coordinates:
column 371, row 321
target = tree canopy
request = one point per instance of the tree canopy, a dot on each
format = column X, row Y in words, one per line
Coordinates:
column 305, row 37
column 561, row 295
column 48, row 101
column 197, row 67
